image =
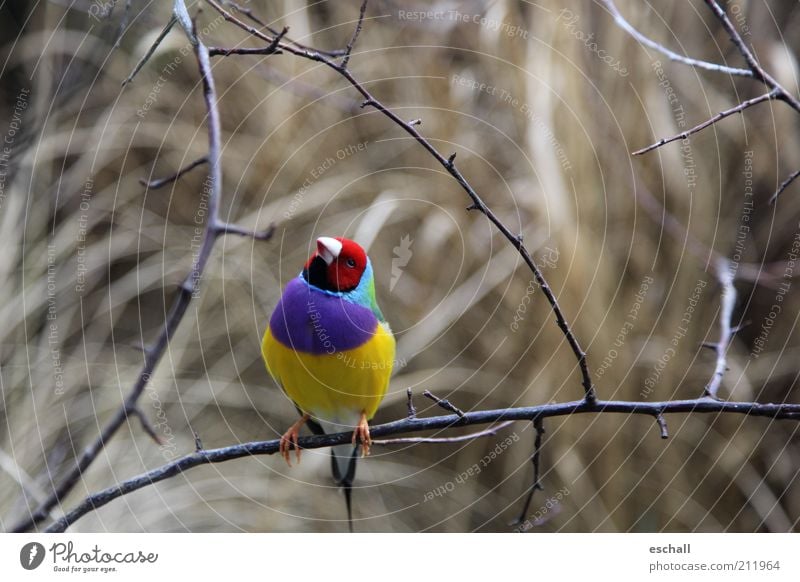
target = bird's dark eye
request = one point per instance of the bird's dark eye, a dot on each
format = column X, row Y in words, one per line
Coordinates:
column 351, row 263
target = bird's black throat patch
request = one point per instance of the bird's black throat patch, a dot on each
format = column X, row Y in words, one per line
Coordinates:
column 316, row 274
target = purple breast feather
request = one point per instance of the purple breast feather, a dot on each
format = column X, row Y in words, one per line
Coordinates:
column 307, row 320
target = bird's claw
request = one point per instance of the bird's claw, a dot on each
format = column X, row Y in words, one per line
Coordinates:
column 289, row 440
column 361, row 435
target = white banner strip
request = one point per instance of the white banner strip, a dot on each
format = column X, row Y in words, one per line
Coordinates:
column 406, row 557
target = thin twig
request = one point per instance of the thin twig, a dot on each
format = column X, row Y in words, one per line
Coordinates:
column 164, row 32
column 356, row 32
column 734, row 330
column 783, row 186
column 216, row 51
column 445, row 440
column 728, row 302
column 446, row 404
column 198, row 443
column 536, row 484
column 412, row 412
column 252, row 16
column 662, row 425
column 758, row 71
column 147, row 426
column 227, row 228
column 449, row 165
column 246, row 11
column 161, row 182
column 627, row 27
column 721, row 115
column 407, row 425
column 123, row 23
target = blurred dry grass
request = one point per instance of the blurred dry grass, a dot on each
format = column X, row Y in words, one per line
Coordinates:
column 82, row 148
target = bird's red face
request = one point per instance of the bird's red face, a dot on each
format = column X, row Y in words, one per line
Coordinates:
column 337, row 265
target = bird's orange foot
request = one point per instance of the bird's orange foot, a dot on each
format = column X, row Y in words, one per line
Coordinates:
column 361, row 434
column 289, row 440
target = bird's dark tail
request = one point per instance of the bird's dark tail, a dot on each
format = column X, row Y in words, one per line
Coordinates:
column 343, row 467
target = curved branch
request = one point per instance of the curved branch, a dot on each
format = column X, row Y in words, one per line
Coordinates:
column 627, row 27
column 406, row 425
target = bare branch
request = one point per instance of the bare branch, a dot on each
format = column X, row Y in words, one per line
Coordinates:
column 123, row 23
column 246, row 11
column 728, row 302
column 446, row 440
column 160, row 182
column 662, row 425
column 216, row 51
column 151, row 50
column 536, row 485
column 721, row 115
column 783, row 186
column 412, row 412
column 406, row 425
column 227, row 228
column 252, row 16
column 444, row 403
column 754, row 68
column 758, row 72
column 627, row 27
column 147, row 426
column 198, row 443
column 356, row 32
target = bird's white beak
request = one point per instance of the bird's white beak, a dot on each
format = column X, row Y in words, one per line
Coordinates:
column 328, row 248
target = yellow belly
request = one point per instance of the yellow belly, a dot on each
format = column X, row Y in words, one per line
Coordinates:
column 335, row 387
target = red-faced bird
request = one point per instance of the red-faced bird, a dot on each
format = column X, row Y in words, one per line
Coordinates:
column 330, row 349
